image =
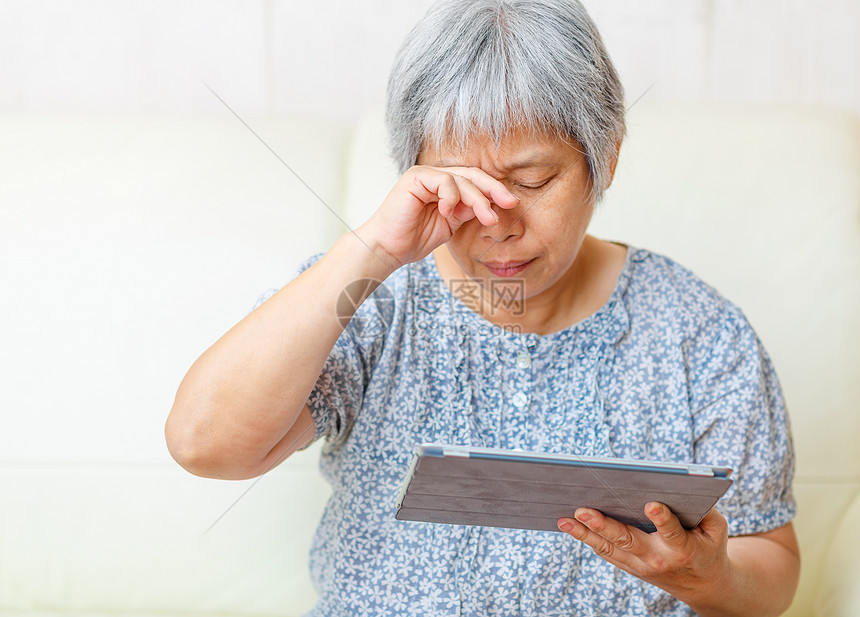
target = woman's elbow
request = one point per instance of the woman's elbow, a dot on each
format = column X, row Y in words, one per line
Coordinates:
column 199, row 452
column 187, row 447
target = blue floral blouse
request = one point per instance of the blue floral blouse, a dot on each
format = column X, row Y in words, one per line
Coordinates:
column 667, row 370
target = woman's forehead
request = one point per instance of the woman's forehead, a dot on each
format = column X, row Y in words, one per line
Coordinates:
column 517, row 149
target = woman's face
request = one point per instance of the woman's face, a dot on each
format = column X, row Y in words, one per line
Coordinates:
column 535, row 244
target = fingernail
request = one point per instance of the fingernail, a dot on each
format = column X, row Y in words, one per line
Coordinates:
column 566, row 526
column 583, row 516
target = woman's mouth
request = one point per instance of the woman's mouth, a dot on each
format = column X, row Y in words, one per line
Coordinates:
column 506, row 269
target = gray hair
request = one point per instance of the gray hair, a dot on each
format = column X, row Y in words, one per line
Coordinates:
column 486, row 66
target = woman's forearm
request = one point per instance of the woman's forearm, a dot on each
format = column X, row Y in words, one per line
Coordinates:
column 761, row 580
column 244, row 394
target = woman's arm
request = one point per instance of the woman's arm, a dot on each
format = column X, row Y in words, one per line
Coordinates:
column 715, row 575
column 766, row 568
column 241, row 408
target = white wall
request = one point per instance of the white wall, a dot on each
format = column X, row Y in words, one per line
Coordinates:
column 299, row 56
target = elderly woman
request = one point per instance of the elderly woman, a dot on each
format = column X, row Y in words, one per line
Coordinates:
column 502, row 323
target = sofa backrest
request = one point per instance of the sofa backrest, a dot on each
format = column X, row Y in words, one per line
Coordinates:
column 128, row 245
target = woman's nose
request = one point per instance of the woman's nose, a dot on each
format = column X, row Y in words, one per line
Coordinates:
column 510, row 224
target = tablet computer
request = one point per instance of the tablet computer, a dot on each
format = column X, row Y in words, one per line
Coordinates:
column 465, row 485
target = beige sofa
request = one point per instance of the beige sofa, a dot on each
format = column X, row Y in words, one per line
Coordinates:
column 129, row 244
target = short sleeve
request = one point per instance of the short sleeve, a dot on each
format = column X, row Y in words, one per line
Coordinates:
column 338, row 394
column 740, row 421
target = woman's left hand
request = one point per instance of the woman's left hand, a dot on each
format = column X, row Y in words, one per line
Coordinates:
column 686, row 563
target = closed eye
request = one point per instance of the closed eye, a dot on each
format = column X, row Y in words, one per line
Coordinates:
column 534, row 187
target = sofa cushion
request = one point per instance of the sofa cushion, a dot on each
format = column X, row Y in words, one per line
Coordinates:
column 147, row 538
column 839, row 589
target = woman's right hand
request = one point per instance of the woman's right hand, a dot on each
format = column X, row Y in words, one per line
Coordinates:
column 427, row 206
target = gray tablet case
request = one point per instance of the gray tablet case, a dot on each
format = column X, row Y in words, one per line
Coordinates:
column 501, row 488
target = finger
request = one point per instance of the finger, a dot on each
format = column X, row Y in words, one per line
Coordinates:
column 620, row 535
column 488, row 185
column 471, row 196
column 457, row 198
column 600, row 545
column 446, row 191
column 668, row 526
